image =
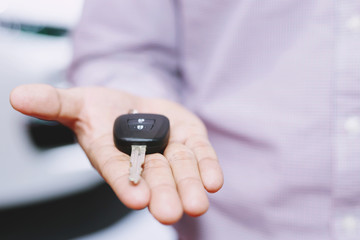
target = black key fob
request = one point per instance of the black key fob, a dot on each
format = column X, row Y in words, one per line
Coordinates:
column 150, row 130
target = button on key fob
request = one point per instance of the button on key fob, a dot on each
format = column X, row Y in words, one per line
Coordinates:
column 137, row 134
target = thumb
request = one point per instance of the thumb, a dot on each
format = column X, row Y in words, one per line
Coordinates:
column 46, row 102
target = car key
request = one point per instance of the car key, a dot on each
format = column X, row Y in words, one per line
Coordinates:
column 139, row 134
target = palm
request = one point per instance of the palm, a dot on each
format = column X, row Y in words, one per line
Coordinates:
column 172, row 183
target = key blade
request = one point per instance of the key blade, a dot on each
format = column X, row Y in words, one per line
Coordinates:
column 137, row 159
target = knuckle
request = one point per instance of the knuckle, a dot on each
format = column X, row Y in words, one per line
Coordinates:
column 93, row 149
column 155, row 161
column 181, row 155
column 165, row 187
column 198, row 143
column 190, row 181
column 207, row 160
column 116, row 180
column 109, row 167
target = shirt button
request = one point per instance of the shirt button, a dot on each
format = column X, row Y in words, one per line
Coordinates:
column 350, row 224
column 352, row 125
column 353, row 23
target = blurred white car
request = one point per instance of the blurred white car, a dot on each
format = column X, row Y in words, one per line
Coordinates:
column 28, row 173
column 35, row 48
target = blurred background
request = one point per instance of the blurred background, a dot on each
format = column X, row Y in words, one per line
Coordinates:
column 48, row 189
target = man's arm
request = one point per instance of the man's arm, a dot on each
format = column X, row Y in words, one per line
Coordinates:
column 128, row 45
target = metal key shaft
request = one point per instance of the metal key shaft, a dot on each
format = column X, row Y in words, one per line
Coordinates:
column 137, row 159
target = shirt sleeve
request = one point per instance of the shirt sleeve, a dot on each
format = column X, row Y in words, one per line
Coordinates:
column 129, row 45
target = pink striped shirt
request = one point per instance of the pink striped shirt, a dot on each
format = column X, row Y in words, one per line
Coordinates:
column 276, row 82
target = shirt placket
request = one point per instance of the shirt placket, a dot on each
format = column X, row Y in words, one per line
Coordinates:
column 346, row 168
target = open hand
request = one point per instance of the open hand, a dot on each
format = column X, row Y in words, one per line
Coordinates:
column 171, row 184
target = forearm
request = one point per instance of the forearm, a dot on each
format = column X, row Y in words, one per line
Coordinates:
column 129, row 45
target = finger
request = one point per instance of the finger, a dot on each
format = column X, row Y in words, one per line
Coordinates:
column 210, row 170
column 187, row 178
column 46, row 102
column 165, row 204
column 114, row 168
